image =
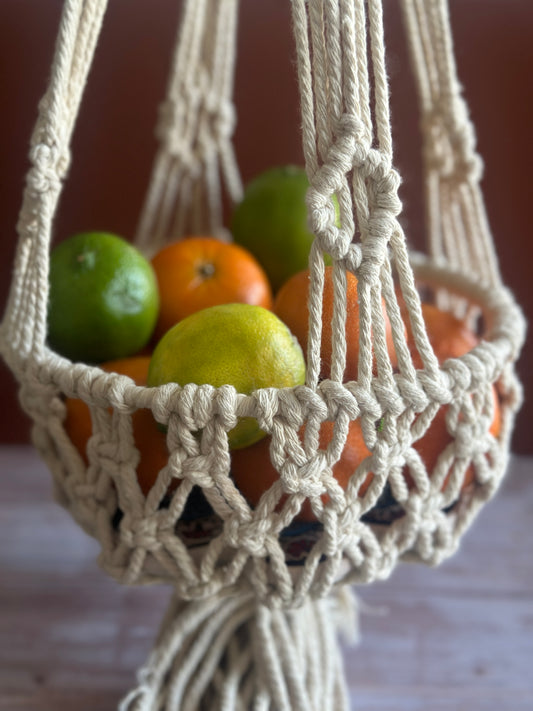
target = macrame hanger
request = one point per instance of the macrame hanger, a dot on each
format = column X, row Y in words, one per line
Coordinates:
column 348, row 153
column 458, row 229
column 24, row 326
column 195, row 129
column 245, row 627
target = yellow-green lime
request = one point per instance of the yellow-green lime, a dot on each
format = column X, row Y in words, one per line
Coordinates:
column 245, row 346
column 103, row 300
column 271, row 222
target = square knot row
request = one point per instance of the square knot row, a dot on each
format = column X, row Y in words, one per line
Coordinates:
column 195, row 405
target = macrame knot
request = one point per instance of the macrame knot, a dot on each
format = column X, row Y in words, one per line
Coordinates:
column 466, row 443
column 103, row 389
column 40, row 401
column 332, row 239
column 286, row 406
column 339, row 399
column 366, row 400
column 46, row 174
column 304, row 479
column 191, row 403
column 250, row 535
column 374, row 249
column 411, row 393
column 449, row 148
column 140, row 533
column 390, row 400
column 438, row 389
column 221, row 114
column 171, row 133
column 348, row 138
column 223, row 404
column 383, row 184
column 353, row 258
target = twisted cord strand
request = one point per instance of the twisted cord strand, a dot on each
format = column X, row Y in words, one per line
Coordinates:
column 195, row 159
column 24, row 325
column 458, row 229
column 271, row 658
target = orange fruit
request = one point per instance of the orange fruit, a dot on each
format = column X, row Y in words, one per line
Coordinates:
column 253, row 472
column 290, row 305
column 271, row 221
column 103, row 298
column 231, row 344
column 149, row 440
column 198, row 272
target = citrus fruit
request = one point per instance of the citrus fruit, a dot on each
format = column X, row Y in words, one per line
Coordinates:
column 253, row 472
column 235, row 344
column 198, row 272
column 271, row 222
column 149, row 440
column 103, row 298
column 290, row 305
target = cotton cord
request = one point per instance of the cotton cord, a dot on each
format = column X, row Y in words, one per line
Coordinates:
column 258, row 595
column 458, row 228
column 230, row 654
column 195, row 129
column 24, row 325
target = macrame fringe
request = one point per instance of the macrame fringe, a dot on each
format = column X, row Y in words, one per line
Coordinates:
column 233, row 654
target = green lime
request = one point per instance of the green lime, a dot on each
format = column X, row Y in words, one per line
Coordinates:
column 231, row 344
column 103, row 300
column 271, row 222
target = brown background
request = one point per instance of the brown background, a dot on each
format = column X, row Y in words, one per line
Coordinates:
column 114, row 143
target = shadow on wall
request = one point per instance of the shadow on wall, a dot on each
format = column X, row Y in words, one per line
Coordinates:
column 114, row 140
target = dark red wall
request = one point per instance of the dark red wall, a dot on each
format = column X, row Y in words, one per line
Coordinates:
column 114, row 144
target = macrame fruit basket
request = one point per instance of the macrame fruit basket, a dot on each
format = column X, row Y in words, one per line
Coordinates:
column 252, row 623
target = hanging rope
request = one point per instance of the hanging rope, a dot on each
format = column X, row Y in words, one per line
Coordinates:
column 458, row 228
column 195, row 130
column 24, row 326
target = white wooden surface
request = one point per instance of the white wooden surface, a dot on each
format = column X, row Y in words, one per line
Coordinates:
column 459, row 637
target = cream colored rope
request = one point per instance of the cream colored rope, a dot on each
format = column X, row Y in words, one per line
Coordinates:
column 195, row 130
column 231, row 654
column 457, row 222
column 24, row 327
column 244, row 591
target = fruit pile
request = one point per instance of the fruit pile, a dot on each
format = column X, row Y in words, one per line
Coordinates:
column 208, row 312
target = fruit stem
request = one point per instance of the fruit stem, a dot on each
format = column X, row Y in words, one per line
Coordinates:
column 206, row 270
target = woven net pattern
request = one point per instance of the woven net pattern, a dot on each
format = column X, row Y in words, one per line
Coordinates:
column 348, row 153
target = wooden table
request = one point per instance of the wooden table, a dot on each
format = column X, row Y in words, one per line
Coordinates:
column 458, row 638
